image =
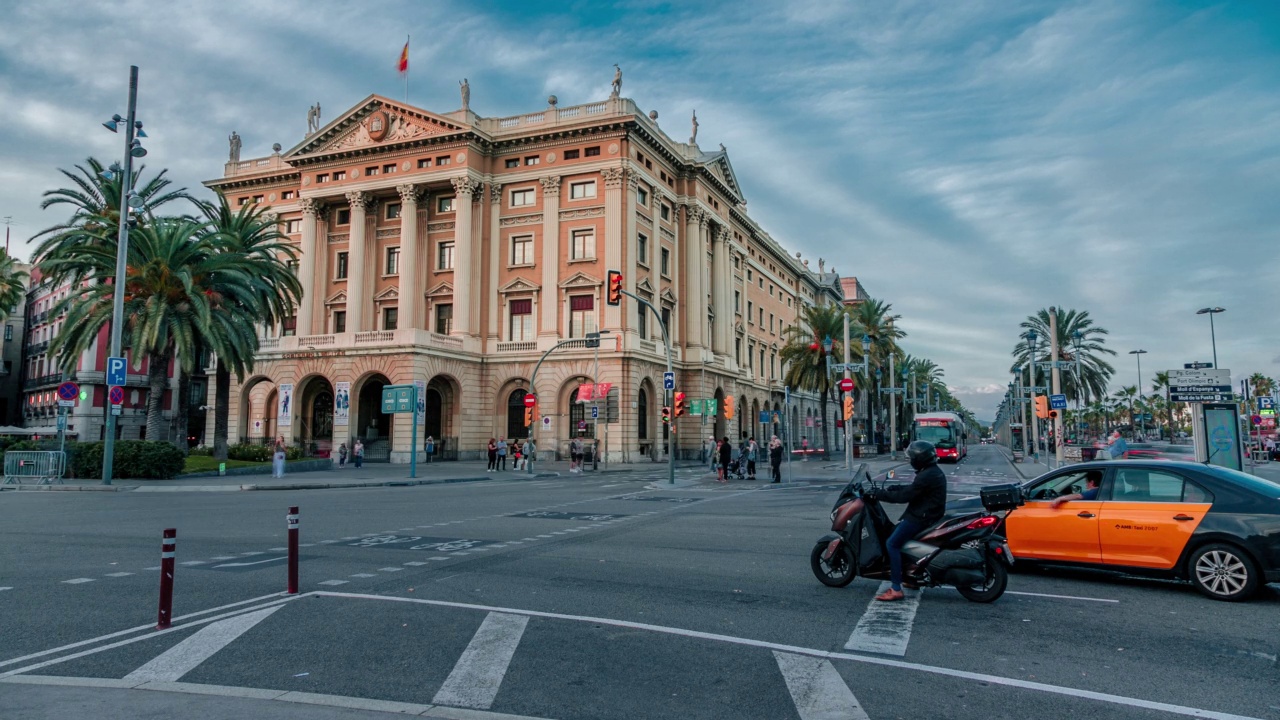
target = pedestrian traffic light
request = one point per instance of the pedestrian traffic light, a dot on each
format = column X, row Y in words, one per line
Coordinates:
column 1042, row 407
column 528, row 416
column 848, row 408
column 666, row 414
column 615, row 288
column 679, row 406
column 728, row 408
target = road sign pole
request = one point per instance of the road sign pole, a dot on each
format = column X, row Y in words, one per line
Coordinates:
column 413, row 437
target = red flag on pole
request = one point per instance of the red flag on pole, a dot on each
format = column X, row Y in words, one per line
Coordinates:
column 403, row 65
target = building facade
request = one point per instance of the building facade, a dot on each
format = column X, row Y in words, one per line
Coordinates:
column 11, row 358
column 452, row 251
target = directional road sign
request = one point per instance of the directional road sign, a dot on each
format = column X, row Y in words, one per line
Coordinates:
column 116, row 395
column 846, row 384
column 116, row 370
column 1176, row 396
column 668, row 381
column 595, row 412
column 1200, row 376
column 397, row 399
column 1197, row 365
column 1058, row 402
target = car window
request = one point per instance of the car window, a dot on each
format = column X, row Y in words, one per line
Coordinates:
column 1268, row 488
column 1140, row 485
column 1193, row 493
column 1059, row 485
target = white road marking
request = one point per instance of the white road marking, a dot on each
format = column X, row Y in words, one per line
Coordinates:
column 77, row 581
column 302, row 545
column 478, row 674
column 886, row 626
column 184, row 657
column 2, row 589
column 439, row 557
column 332, row 582
column 194, row 562
column 278, row 549
column 415, row 563
column 157, row 567
column 119, row 574
column 817, row 689
column 612, row 485
column 1061, row 596
column 225, row 557
column 330, row 542
column 364, row 575
column 255, row 562
column 390, row 569
column 813, row 652
column 251, row 553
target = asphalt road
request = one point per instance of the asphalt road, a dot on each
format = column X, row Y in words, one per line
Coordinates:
column 578, row 598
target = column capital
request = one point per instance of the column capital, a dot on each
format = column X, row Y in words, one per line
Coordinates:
column 360, row 200
column 466, row 187
column 550, row 186
column 695, row 214
column 633, row 180
column 409, row 193
column 495, row 192
column 271, row 217
column 613, row 177
column 311, row 207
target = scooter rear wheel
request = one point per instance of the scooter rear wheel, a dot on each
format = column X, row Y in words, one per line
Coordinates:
column 993, row 588
column 836, row 572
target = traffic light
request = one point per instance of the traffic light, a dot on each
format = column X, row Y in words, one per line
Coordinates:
column 679, row 407
column 1042, row 407
column 528, row 416
column 1053, row 414
column 728, row 408
column 615, row 288
column 666, row 414
column 848, row 408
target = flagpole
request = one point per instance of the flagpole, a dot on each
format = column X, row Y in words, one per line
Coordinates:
column 406, row 69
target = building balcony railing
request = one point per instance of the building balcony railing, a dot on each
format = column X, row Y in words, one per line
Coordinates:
column 42, row 381
column 518, row 346
column 37, row 348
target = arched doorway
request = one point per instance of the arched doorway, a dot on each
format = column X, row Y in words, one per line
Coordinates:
column 515, row 414
column 644, row 437
column 579, row 425
column 372, row 426
column 316, row 416
column 440, row 408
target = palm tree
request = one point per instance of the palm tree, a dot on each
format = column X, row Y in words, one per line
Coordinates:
column 1261, row 384
column 1094, row 371
column 805, row 360
column 1124, row 397
column 250, row 234
column 875, row 319
column 13, row 285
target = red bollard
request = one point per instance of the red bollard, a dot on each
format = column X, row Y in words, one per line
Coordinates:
column 292, row 519
column 168, row 548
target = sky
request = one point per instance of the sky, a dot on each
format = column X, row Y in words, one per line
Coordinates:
column 969, row 162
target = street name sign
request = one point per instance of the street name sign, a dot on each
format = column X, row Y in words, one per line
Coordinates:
column 1205, row 376
column 1176, row 396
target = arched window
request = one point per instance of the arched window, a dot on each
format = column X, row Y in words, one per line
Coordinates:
column 515, row 414
column 642, row 415
column 578, row 415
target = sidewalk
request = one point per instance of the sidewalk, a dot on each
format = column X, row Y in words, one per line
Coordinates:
column 1028, row 468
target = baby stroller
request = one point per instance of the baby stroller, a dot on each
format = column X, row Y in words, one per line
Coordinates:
column 736, row 470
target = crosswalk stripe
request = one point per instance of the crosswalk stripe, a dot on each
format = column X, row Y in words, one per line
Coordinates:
column 182, row 658
column 476, row 678
column 816, row 688
column 886, row 626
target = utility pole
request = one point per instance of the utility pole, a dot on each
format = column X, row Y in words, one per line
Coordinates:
column 1057, row 385
column 893, row 414
column 848, row 446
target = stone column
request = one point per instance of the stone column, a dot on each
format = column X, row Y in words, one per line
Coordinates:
column 311, row 211
column 410, row 293
column 496, row 251
column 719, row 284
column 463, row 257
column 631, row 323
column 695, row 311
column 614, row 222
column 357, row 263
column 550, row 322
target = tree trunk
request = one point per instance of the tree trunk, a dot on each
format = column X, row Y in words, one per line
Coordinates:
column 221, row 409
column 157, row 380
column 183, row 411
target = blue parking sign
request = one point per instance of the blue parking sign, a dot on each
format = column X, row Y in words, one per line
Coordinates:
column 116, row 371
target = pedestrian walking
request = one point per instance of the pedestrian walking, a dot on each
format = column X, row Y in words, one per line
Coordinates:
column 357, row 453
column 753, row 454
column 530, row 454
column 493, row 454
column 726, row 452
column 431, row 447
column 775, row 458
column 502, row 454
column 342, row 455
column 277, row 458
column 575, row 455
column 711, row 451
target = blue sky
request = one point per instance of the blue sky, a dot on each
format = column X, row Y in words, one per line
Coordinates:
column 970, row 162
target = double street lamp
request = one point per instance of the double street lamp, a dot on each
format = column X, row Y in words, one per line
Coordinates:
column 1212, row 337
column 1138, row 354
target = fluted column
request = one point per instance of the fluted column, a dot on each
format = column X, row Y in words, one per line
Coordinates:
column 719, row 283
column 633, row 251
column 358, row 265
column 464, row 257
column 549, row 325
column 410, row 295
column 695, row 311
column 311, row 211
column 494, row 324
column 614, row 223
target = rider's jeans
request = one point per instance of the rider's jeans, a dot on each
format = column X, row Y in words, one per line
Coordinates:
column 906, row 530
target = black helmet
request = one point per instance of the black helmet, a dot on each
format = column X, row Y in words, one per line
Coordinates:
column 921, row 454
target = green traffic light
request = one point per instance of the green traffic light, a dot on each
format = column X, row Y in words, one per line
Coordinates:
column 84, row 394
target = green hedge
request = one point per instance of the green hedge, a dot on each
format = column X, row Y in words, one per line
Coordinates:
column 252, row 453
column 136, row 459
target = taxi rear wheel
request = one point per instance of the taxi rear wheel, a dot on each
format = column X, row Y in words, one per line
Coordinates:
column 1223, row 572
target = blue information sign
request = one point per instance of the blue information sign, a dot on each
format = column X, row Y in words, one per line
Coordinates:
column 1058, row 402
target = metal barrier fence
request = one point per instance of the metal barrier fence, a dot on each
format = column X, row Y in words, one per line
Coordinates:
column 43, row 466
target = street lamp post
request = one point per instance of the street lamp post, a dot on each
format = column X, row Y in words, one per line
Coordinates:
column 1212, row 337
column 1076, row 341
column 1138, row 354
column 1035, row 426
column 866, row 392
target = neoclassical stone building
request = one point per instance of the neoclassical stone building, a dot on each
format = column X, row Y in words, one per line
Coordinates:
column 453, row 250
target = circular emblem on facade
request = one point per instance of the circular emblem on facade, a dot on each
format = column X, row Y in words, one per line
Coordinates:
column 551, row 157
column 378, row 124
column 613, row 148
column 406, row 166
column 355, row 173
column 306, row 181
column 462, row 157
column 271, row 197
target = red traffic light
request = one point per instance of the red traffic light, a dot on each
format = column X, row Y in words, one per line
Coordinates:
column 615, row 288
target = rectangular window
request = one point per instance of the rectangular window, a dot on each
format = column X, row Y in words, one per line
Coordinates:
column 737, row 301
column 388, row 168
column 513, row 162
column 344, row 217
column 443, row 160
column 293, row 267
column 444, row 204
column 444, row 256
column 582, row 315
column 591, row 151
column 393, row 261
column 341, row 267
column 642, row 197
column 393, row 211
column 321, row 178
column 242, row 201
column 666, row 211
column 770, row 322
column 584, row 245
column 571, row 154
column 288, row 195
column 371, row 171
column 666, row 262
column 289, row 326
column 390, row 318
column 521, row 324
column 666, row 319
column 751, row 311
column 642, row 319
column 257, row 199
column 642, row 253
column 582, row 190
column 424, row 163
column 293, row 227
column 339, row 175
column 531, row 160
column 522, row 250
column 8, row 332
column 522, row 198
column 444, row 319
column 340, row 321
column 761, row 317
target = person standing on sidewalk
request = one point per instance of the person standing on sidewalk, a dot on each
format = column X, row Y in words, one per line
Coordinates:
column 775, row 458
column 357, row 453
column 575, row 455
column 530, row 448
column 277, row 458
column 711, row 451
column 342, row 455
column 502, row 454
column 493, row 455
column 753, row 453
column 431, row 447
column 726, row 453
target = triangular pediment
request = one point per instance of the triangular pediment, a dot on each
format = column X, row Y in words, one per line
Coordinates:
column 717, row 165
column 581, row 279
column 645, row 286
column 338, row 298
column 376, row 122
column 668, row 296
column 442, row 289
column 391, row 293
column 519, row 285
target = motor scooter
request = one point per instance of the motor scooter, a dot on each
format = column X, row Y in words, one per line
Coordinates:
column 964, row 552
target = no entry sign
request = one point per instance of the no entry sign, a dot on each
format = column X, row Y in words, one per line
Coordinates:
column 846, row 384
column 530, row 400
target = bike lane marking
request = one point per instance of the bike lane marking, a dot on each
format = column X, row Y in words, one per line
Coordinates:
column 477, row 676
column 172, row 664
column 816, row 688
column 885, row 627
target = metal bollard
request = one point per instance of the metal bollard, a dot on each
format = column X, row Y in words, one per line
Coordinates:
column 292, row 519
column 168, row 548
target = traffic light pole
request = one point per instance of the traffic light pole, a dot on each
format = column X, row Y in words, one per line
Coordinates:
column 668, row 394
column 848, row 436
column 533, row 386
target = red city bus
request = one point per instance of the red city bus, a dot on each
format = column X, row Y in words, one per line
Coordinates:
column 946, row 430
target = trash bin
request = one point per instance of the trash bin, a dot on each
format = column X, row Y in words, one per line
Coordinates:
column 857, row 451
column 1088, row 453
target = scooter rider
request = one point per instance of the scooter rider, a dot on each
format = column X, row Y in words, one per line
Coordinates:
column 926, row 499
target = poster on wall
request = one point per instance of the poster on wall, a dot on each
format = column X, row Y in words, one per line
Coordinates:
column 282, row 405
column 422, row 401
column 341, row 403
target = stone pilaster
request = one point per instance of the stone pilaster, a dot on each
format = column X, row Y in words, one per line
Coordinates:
column 719, row 285
column 464, row 323
column 695, row 310
column 550, row 322
column 312, row 210
column 632, row 269
column 614, row 223
column 358, row 267
column 410, row 292
column 496, row 253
